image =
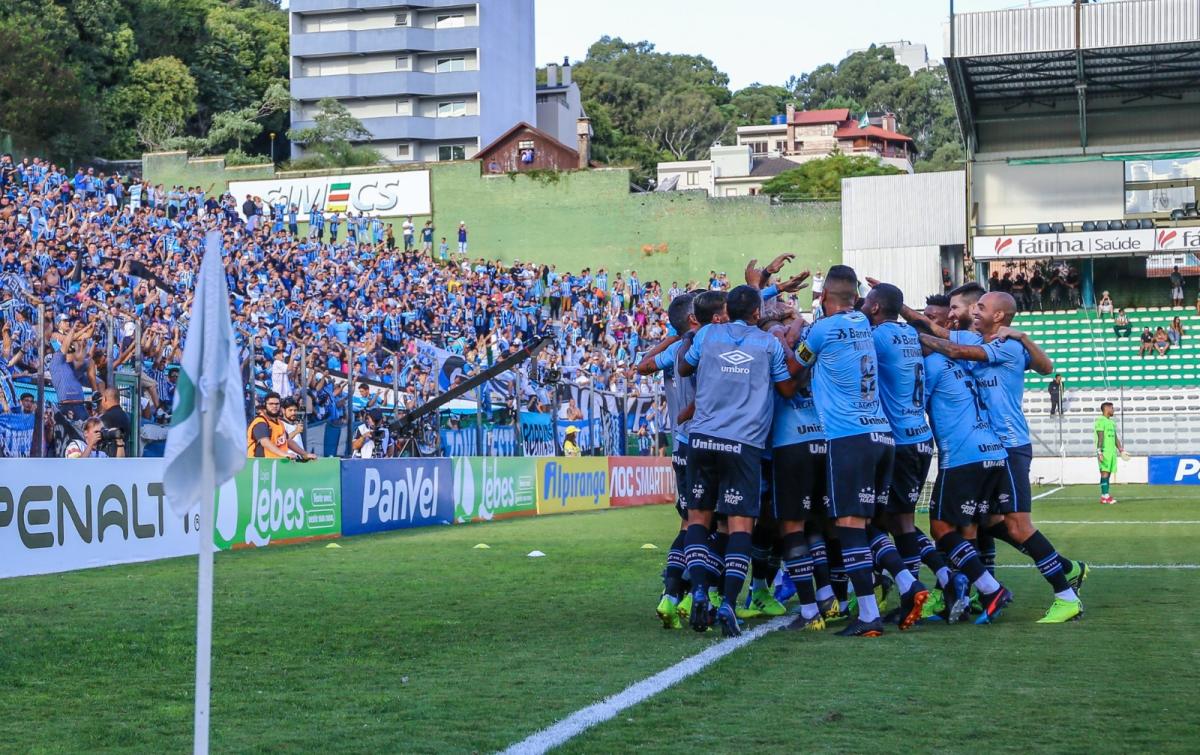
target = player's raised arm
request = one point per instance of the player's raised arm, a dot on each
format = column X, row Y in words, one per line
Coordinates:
column 957, row 351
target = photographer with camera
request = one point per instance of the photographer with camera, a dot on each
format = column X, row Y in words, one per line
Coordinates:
column 267, row 438
column 114, row 436
column 93, row 437
column 372, row 438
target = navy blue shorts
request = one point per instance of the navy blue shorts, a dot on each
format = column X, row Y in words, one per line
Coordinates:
column 679, row 464
column 860, row 474
column 724, row 476
column 798, row 481
column 1020, row 459
column 967, row 495
column 909, row 473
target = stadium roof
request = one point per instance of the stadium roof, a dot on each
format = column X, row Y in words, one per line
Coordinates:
column 1073, row 61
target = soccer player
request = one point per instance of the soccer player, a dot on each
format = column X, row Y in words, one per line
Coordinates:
column 1108, row 447
column 662, row 358
column 972, row 478
column 1002, row 355
column 735, row 365
column 860, row 446
column 902, row 394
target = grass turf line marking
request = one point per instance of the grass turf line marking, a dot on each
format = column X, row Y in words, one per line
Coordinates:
column 1040, row 496
column 581, row 720
column 1111, row 566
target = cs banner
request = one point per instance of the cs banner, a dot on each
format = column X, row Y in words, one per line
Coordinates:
column 487, row 488
column 274, row 501
column 638, row 480
column 392, row 494
column 572, row 484
column 1174, row 470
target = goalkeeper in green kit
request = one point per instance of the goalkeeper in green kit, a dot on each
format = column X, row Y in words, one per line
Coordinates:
column 1108, row 447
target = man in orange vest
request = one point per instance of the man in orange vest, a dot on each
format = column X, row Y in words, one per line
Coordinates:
column 266, row 437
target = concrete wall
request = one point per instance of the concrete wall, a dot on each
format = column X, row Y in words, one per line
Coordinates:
column 589, row 219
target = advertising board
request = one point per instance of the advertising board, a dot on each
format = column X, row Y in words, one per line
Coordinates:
column 1174, row 470
column 274, row 501
column 392, row 494
column 487, row 488
column 571, row 484
column 639, row 480
column 383, row 194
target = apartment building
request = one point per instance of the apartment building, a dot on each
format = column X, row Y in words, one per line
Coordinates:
column 431, row 81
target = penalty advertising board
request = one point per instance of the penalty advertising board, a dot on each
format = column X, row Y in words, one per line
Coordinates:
column 387, row 195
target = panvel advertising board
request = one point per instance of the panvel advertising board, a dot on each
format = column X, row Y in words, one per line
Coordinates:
column 638, row 480
column 492, row 487
column 1174, row 470
column 272, row 502
column 392, row 494
column 383, row 194
column 59, row 515
column 572, row 484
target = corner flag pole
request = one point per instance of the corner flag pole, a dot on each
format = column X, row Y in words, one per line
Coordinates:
column 204, row 592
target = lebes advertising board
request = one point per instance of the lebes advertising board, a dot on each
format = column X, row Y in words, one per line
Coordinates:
column 489, row 488
column 386, row 195
column 274, row 502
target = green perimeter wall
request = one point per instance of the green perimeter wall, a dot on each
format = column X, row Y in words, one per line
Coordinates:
column 584, row 218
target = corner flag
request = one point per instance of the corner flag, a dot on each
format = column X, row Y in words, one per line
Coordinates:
column 206, row 444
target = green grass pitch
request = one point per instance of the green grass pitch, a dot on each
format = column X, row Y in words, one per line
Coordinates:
column 417, row 642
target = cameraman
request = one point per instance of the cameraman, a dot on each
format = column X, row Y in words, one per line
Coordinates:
column 89, row 447
column 115, row 434
column 371, row 438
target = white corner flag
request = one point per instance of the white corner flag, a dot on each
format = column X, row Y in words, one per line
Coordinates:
column 206, row 444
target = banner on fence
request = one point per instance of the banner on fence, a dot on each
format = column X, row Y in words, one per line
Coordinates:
column 538, row 434
column 273, row 501
column 578, row 484
column 638, row 480
column 16, row 435
column 59, row 515
column 493, row 488
column 1174, row 470
column 391, row 494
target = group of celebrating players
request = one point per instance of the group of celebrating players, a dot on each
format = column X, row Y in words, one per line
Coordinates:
column 801, row 451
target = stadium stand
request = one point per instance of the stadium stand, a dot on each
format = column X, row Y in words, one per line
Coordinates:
column 1090, row 355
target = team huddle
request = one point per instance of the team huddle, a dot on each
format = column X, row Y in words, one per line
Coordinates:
column 801, row 451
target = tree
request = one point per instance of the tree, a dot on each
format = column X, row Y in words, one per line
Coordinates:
column 330, row 138
column 755, row 104
column 160, row 94
column 685, row 124
column 822, row 179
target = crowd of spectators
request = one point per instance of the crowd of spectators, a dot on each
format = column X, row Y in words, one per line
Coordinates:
column 1057, row 289
column 109, row 257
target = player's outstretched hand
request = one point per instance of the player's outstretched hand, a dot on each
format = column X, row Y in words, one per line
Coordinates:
column 795, row 283
column 778, row 263
column 753, row 275
column 872, row 282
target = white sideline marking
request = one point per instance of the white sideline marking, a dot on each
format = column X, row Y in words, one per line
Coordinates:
column 1111, row 566
column 581, row 720
column 1119, row 521
column 1040, row 496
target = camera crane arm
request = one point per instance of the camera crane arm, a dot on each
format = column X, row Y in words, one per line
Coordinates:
column 504, row 365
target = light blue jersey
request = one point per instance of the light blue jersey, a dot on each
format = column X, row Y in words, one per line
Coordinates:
column 957, row 415
column 841, row 350
column 796, row 420
column 665, row 362
column 902, row 381
column 1001, row 383
column 736, row 365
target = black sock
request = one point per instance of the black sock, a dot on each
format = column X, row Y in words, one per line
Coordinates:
column 820, row 559
column 797, row 561
column 857, row 559
column 909, row 545
column 985, row 544
column 717, row 543
column 838, row 579
column 1046, row 558
column 673, row 577
column 884, row 553
column 737, row 565
column 697, row 555
column 962, row 554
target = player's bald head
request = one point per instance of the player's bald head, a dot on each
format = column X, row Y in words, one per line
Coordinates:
column 994, row 310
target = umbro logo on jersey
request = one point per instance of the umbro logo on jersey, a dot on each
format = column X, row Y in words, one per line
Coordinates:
column 734, row 361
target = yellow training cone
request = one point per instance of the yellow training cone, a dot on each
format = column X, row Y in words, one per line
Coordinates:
column 649, row 547
column 482, row 546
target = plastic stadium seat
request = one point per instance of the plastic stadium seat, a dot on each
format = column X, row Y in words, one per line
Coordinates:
column 1089, row 225
column 1189, row 207
column 1116, row 225
column 1058, row 227
column 1043, row 228
column 1178, row 214
column 1192, row 213
column 1146, row 224
column 1132, row 225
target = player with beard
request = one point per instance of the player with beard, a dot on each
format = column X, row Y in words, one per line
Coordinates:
column 1000, row 357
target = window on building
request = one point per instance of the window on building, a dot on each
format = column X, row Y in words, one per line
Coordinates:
column 451, row 109
column 779, row 144
column 403, row 62
column 452, row 152
column 731, row 192
column 402, row 19
column 450, row 21
column 753, row 191
column 758, row 148
column 404, row 151
column 526, row 152
column 541, row 98
column 446, row 65
column 403, row 107
column 693, row 177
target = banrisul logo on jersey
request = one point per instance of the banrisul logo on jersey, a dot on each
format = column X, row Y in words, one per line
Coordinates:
column 488, row 488
column 272, row 502
column 735, row 362
column 572, row 484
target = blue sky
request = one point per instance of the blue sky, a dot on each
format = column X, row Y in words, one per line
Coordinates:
column 767, row 42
